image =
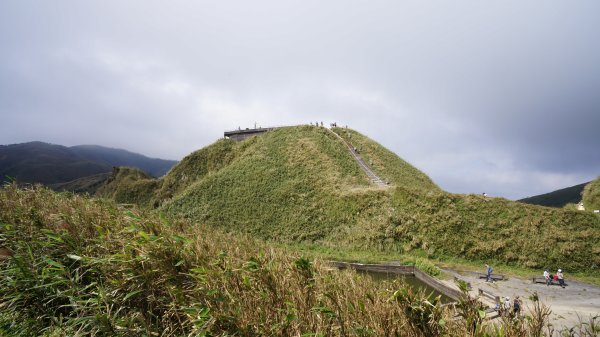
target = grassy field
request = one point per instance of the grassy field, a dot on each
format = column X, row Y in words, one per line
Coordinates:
column 87, row 267
column 300, row 185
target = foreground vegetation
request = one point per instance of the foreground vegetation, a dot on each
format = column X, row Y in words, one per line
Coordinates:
column 74, row 266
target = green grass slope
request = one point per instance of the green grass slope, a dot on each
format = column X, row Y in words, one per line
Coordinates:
column 558, row 198
column 129, row 185
column 386, row 164
column 300, row 184
column 496, row 229
column 591, row 195
column 290, row 184
column 197, row 165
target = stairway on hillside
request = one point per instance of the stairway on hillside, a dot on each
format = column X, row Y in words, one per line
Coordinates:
column 374, row 178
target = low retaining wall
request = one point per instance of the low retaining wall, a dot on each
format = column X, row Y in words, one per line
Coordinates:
column 402, row 270
column 488, row 295
column 377, row 268
column 431, row 281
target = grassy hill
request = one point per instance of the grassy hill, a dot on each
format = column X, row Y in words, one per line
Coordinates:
column 558, row 198
column 300, row 184
column 38, row 162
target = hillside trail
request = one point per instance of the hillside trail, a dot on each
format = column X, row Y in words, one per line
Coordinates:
column 361, row 163
column 570, row 304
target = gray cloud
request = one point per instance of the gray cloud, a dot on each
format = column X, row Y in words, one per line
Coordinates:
column 495, row 97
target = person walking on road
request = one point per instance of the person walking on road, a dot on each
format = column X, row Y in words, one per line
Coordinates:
column 547, row 277
column 488, row 272
column 561, row 278
column 517, row 306
column 506, row 306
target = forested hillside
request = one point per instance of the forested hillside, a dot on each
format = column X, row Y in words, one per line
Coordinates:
column 38, row 162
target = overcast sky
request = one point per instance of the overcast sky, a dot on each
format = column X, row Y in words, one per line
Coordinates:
column 499, row 97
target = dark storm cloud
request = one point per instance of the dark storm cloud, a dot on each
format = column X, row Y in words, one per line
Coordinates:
column 495, row 97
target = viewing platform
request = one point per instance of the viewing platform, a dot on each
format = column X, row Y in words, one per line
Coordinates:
column 242, row 134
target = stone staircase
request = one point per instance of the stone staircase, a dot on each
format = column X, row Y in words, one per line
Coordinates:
column 374, row 178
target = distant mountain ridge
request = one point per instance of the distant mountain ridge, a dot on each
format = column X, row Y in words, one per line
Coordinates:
column 118, row 157
column 558, row 198
column 39, row 162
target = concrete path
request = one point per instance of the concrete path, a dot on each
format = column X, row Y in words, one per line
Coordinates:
column 568, row 305
column 374, row 178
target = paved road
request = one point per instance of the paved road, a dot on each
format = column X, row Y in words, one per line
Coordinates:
column 567, row 305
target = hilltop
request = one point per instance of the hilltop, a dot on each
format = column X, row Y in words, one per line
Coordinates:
column 38, row 162
column 300, row 184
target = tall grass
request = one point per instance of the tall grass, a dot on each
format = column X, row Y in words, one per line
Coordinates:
column 85, row 267
column 495, row 229
column 129, row 185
